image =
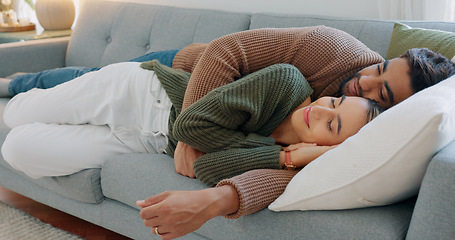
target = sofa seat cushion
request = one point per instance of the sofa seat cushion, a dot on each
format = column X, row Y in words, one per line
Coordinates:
column 389, row 222
column 131, row 177
column 83, row 186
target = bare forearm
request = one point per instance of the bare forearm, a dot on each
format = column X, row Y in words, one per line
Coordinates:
column 227, row 200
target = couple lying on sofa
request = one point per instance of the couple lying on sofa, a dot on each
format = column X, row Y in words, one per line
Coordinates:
column 260, row 103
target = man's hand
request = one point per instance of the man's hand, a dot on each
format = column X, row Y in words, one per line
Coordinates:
column 177, row 213
column 184, row 157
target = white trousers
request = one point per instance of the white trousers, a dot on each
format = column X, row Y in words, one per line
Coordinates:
column 121, row 108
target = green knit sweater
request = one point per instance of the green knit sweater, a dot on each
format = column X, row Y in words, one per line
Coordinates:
column 231, row 124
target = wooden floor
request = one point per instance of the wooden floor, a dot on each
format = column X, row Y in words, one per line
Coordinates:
column 58, row 218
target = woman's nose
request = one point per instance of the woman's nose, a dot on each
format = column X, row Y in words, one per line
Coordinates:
column 321, row 112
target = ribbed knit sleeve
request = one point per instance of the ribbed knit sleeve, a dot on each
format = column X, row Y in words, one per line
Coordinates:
column 325, row 56
column 244, row 113
column 232, row 123
column 257, row 189
column 187, row 58
column 213, row 167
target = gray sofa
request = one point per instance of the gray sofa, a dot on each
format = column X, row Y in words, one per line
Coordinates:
column 109, row 32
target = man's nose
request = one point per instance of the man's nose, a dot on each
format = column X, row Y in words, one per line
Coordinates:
column 368, row 83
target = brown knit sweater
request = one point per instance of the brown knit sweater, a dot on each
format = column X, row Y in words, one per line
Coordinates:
column 324, row 55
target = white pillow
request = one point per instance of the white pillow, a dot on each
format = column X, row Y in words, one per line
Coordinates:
column 384, row 162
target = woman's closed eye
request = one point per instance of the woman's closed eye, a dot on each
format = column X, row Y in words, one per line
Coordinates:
column 338, row 116
column 333, row 102
column 329, row 125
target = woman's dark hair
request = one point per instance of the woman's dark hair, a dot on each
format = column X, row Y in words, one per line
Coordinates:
column 427, row 68
column 373, row 110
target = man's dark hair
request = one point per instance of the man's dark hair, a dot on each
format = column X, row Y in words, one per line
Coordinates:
column 427, row 68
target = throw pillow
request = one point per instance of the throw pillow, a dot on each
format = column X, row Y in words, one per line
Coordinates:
column 405, row 37
column 384, row 162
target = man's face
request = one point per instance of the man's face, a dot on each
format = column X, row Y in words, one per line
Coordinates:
column 388, row 83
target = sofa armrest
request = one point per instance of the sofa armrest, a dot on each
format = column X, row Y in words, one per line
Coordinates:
column 32, row 56
column 434, row 213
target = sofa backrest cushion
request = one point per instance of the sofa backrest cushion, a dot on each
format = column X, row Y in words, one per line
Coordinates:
column 375, row 34
column 364, row 30
column 123, row 31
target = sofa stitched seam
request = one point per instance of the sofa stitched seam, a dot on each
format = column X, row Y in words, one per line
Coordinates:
column 196, row 27
column 110, row 34
column 158, row 12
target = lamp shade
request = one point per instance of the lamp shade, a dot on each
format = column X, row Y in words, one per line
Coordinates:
column 55, row 14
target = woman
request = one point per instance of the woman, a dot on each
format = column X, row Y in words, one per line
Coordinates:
column 123, row 108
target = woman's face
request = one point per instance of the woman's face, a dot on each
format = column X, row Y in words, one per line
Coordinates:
column 329, row 121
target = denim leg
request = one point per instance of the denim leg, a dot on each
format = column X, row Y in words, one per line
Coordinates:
column 46, row 79
column 165, row 57
column 53, row 77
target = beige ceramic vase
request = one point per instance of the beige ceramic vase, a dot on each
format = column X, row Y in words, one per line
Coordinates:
column 55, row 14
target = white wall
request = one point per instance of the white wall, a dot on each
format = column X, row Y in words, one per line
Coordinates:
column 339, row 8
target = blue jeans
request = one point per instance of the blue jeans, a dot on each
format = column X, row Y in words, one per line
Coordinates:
column 54, row 77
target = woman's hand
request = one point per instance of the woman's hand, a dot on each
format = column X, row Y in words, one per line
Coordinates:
column 177, row 213
column 293, row 147
column 304, row 153
column 184, row 157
